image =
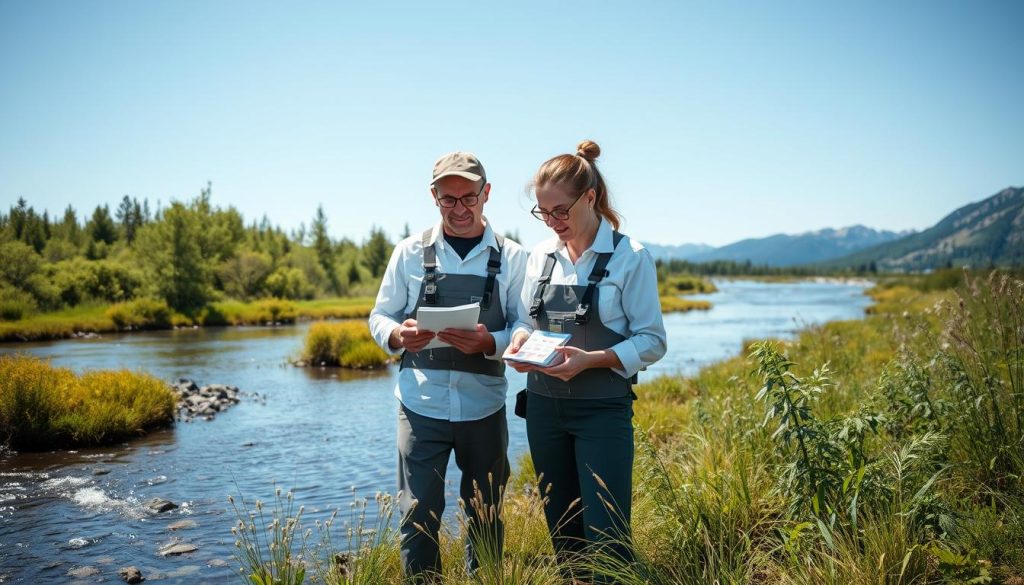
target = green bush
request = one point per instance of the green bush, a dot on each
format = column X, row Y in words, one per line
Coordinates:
column 79, row 280
column 141, row 314
column 289, row 283
column 15, row 304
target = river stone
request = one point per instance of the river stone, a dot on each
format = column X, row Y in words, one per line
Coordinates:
column 182, row 524
column 187, row 385
column 217, row 563
column 100, row 471
column 131, row 575
column 82, row 572
column 177, row 549
column 158, row 505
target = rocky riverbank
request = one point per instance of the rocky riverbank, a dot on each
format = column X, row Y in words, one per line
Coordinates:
column 206, row 402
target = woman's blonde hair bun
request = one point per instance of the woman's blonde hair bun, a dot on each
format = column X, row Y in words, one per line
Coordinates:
column 588, row 150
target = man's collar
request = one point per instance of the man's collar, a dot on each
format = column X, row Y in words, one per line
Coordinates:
column 488, row 238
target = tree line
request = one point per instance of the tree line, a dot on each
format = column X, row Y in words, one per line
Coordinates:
column 189, row 253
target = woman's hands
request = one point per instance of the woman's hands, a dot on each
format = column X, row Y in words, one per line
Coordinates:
column 574, row 361
column 518, row 339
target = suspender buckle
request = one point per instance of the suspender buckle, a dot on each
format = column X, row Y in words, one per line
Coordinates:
column 535, row 308
column 582, row 314
column 430, row 293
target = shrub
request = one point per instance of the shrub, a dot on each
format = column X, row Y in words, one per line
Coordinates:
column 141, row 314
column 15, row 304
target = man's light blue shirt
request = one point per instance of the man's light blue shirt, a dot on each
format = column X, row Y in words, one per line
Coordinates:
column 447, row 394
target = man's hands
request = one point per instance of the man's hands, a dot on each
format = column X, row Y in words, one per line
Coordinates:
column 411, row 338
column 469, row 342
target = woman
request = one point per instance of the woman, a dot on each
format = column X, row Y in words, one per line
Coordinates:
column 601, row 287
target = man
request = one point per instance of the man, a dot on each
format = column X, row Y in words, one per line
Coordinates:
column 452, row 398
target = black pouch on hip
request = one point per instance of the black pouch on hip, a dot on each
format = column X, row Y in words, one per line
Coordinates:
column 520, row 409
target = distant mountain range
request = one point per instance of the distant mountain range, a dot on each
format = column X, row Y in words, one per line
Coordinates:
column 782, row 249
column 680, row 252
column 989, row 232
column 983, row 233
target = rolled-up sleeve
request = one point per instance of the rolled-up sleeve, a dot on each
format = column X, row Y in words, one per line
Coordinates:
column 391, row 301
column 646, row 342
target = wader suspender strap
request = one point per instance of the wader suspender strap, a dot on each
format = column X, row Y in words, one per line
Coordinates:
column 429, row 269
column 598, row 273
column 493, row 269
column 542, row 283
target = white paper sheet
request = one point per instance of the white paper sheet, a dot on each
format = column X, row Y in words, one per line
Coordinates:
column 437, row 318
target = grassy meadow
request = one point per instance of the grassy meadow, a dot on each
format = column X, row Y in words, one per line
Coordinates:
column 883, row 451
column 144, row 313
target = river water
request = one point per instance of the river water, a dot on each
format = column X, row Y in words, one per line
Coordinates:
column 325, row 434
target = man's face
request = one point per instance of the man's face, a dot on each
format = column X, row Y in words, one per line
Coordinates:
column 463, row 220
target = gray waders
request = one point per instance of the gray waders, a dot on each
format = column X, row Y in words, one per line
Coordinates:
column 425, row 444
column 581, row 431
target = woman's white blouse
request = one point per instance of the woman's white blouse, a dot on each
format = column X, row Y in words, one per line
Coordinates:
column 628, row 302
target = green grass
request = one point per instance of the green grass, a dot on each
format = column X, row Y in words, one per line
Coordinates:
column 885, row 450
column 58, row 324
column 686, row 284
column 152, row 314
column 675, row 304
column 346, row 344
column 42, row 407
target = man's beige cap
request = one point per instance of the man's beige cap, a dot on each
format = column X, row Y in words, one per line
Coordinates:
column 459, row 164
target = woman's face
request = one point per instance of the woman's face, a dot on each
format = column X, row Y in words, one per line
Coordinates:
column 579, row 207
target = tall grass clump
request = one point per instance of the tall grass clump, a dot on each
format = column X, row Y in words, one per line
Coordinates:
column 275, row 548
column 141, row 314
column 983, row 349
column 268, row 550
column 686, row 284
column 675, row 304
column 336, row 308
column 264, row 311
column 363, row 547
column 347, row 344
column 42, row 407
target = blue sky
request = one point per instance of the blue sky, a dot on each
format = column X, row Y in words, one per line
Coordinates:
column 718, row 120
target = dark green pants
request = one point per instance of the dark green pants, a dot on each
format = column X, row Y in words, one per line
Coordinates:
column 424, row 447
column 582, row 450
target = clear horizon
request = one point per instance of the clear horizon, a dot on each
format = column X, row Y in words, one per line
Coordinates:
column 718, row 123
